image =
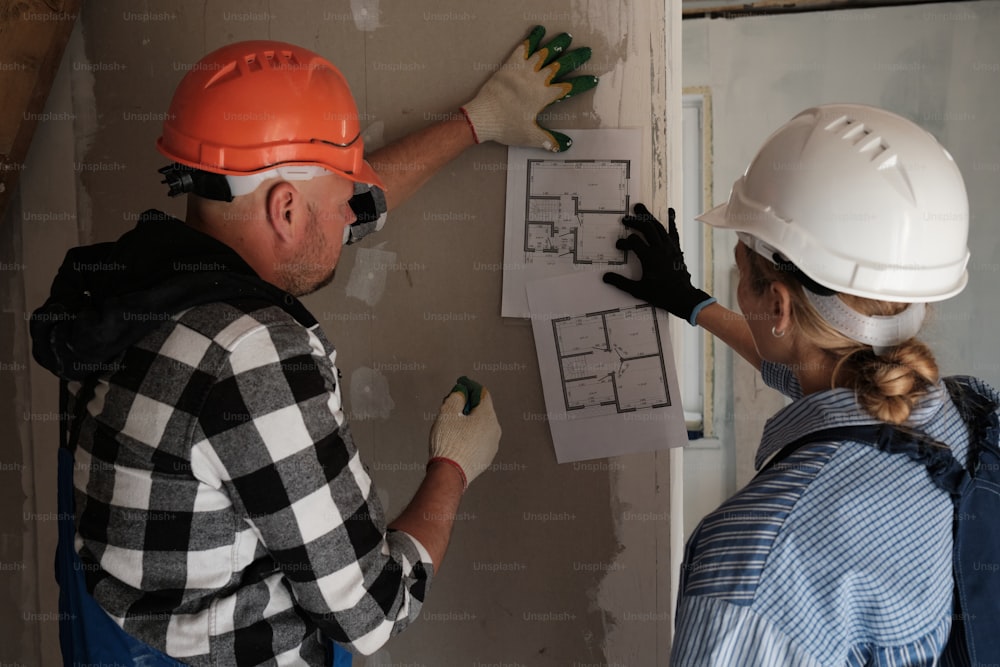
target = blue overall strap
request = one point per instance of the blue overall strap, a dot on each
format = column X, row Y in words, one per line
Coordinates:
column 87, row 635
column 977, row 528
column 341, row 657
column 945, row 471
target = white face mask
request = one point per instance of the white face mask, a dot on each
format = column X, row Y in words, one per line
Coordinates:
column 880, row 331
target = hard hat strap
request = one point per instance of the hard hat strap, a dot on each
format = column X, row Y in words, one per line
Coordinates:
column 182, row 179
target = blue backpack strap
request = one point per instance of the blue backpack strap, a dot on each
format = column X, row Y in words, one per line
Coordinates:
column 945, row 471
column 87, row 635
column 977, row 531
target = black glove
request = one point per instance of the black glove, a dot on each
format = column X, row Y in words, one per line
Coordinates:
column 665, row 280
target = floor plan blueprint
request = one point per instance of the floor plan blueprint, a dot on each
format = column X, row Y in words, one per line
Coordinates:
column 607, row 367
column 612, row 358
column 564, row 211
column 573, row 209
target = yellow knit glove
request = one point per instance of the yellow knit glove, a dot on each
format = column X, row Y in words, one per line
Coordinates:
column 506, row 108
column 467, row 441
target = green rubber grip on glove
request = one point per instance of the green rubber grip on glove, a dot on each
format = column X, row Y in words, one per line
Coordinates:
column 472, row 390
column 535, row 76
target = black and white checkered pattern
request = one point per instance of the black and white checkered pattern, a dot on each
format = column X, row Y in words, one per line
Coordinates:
column 223, row 513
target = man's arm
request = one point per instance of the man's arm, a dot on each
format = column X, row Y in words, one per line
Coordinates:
column 407, row 164
column 463, row 442
column 431, row 513
column 505, row 110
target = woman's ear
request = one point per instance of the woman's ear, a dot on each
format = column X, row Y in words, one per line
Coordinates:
column 282, row 200
column 780, row 305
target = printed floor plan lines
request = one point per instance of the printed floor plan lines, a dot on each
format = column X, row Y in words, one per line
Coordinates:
column 563, row 216
column 612, row 358
column 573, row 209
column 607, row 369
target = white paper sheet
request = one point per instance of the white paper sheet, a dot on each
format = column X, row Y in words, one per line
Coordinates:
column 607, row 367
column 564, row 210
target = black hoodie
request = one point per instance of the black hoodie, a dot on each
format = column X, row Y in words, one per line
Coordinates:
column 108, row 296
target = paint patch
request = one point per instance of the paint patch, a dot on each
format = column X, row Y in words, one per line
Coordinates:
column 368, row 277
column 366, row 14
column 370, row 397
column 374, row 135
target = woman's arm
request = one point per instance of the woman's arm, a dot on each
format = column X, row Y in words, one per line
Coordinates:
column 731, row 328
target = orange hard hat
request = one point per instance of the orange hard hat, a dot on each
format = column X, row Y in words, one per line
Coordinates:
column 251, row 106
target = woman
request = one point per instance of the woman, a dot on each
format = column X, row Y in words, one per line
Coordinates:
column 849, row 220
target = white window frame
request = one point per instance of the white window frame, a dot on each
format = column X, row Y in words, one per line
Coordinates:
column 697, row 366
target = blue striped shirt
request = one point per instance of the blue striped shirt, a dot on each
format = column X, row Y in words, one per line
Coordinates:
column 840, row 556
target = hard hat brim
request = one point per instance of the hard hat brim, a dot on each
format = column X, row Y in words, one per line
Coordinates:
column 714, row 217
column 368, row 176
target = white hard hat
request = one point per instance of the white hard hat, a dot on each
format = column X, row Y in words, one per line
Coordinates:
column 861, row 200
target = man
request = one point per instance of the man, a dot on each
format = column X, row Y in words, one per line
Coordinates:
column 223, row 515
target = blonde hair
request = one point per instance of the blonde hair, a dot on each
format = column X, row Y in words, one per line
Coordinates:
column 887, row 386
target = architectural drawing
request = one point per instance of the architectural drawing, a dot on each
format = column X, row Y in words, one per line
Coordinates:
column 607, row 367
column 563, row 216
column 612, row 358
column 573, row 209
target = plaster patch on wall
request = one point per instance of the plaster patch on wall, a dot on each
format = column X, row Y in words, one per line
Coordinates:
column 366, row 14
column 85, row 125
column 630, row 604
column 608, row 38
column 370, row 397
column 82, row 84
column 368, row 277
column 374, row 136
column 609, row 19
column 608, row 99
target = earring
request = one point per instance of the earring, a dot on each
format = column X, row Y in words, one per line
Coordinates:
column 776, row 333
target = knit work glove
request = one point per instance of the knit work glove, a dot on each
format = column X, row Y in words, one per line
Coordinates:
column 466, row 433
column 507, row 106
column 665, row 280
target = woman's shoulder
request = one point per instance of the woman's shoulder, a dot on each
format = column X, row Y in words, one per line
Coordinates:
column 733, row 543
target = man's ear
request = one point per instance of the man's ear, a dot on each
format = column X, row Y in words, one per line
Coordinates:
column 282, row 203
column 780, row 305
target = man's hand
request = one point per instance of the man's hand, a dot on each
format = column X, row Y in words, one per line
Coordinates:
column 466, row 434
column 507, row 106
column 665, row 280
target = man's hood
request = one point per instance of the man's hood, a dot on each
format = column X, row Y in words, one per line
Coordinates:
column 108, row 296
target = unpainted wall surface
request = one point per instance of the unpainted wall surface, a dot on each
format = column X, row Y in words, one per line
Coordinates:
column 549, row 565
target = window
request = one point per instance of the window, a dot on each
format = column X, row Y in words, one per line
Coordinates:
column 697, row 362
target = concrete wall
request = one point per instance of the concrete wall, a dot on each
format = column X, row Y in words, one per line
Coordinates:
column 549, row 565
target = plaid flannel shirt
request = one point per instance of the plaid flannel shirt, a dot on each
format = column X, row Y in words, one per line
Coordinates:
column 223, row 513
